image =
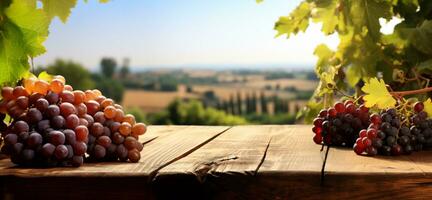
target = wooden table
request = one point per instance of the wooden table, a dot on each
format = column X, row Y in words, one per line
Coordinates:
column 241, row 162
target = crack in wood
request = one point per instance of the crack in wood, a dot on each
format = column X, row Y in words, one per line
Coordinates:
column 263, row 157
column 148, row 141
column 323, row 165
column 153, row 174
column 201, row 170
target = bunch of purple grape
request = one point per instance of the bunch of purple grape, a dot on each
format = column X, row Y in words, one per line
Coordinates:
column 52, row 125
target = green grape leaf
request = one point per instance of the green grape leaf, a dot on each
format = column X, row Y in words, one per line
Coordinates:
column 259, row 1
column 45, row 76
column 104, row 1
column 353, row 74
column 33, row 24
column 428, row 107
column 421, row 37
column 368, row 12
column 297, row 21
column 376, row 93
column 59, row 8
column 327, row 12
column 13, row 58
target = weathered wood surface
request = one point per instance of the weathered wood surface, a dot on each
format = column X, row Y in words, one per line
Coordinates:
column 217, row 162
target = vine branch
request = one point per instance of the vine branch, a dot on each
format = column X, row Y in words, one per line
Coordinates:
column 410, row 92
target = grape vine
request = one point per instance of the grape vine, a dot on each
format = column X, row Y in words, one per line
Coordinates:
column 403, row 59
column 23, row 30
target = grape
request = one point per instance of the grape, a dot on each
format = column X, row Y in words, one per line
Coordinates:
column 97, row 92
column 67, row 109
column 89, row 119
column 72, row 121
column 29, row 84
column 106, row 131
column 68, row 88
column 57, row 86
column 114, row 127
column 122, row 152
column 129, row 119
column 80, row 148
column 89, row 95
column 67, row 96
column 110, row 112
column 61, row 152
column 48, row 150
column 134, row 155
column 70, row 151
column 52, row 98
column 118, row 106
column 139, row 129
column 28, row 154
column 99, row 117
column 125, row 128
column 371, row 151
column 41, row 104
column 61, row 78
column 58, row 122
column 99, row 151
column 79, row 97
column 81, row 109
column 17, row 148
column 23, row 136
column 70, row 136
column 34, row 115
column 53, row 110
column 339, row 107
column 77, row 161
column 104, row 141
column 130, row 142
column 41, row 87
column 83, row 122
column 96, row 129
column 81, row 133
column 396, row 150
column 107, row 102
column 99, row 99
column 92, row 107
column 57, row 138
column 119, row 115
column 11, row 139
column 22, row 102
column 19, row 91
column 375, row 119
column 34, row 140
column 117, row 138
column 418, row 107
column 21, row 126
column 139, row 146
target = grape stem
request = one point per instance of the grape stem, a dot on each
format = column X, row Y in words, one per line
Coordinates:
column 410, row 92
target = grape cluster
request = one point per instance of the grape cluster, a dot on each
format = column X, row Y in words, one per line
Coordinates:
column 421, row 127
column 51, row 125
column 391, row 134
column 340, row 124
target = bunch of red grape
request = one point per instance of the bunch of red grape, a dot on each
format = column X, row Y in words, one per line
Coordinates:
column 52, row 125
column 340, row 124
column 389, row 132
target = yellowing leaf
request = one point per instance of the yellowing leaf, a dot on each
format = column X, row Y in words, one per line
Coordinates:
column 428, row 107
column 377, row 94
column 59, row 8
column 45, row 76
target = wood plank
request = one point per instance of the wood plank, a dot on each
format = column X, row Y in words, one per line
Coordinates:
column 238, row 150
column 237, row 154
column 291, row 169
column 161, row 151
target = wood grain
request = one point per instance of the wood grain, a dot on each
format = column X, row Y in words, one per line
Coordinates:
column 170, row 144
column 242, row 162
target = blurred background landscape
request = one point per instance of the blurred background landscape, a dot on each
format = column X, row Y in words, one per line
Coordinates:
column 194, row 62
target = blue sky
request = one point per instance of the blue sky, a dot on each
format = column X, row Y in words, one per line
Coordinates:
column 174, row 33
